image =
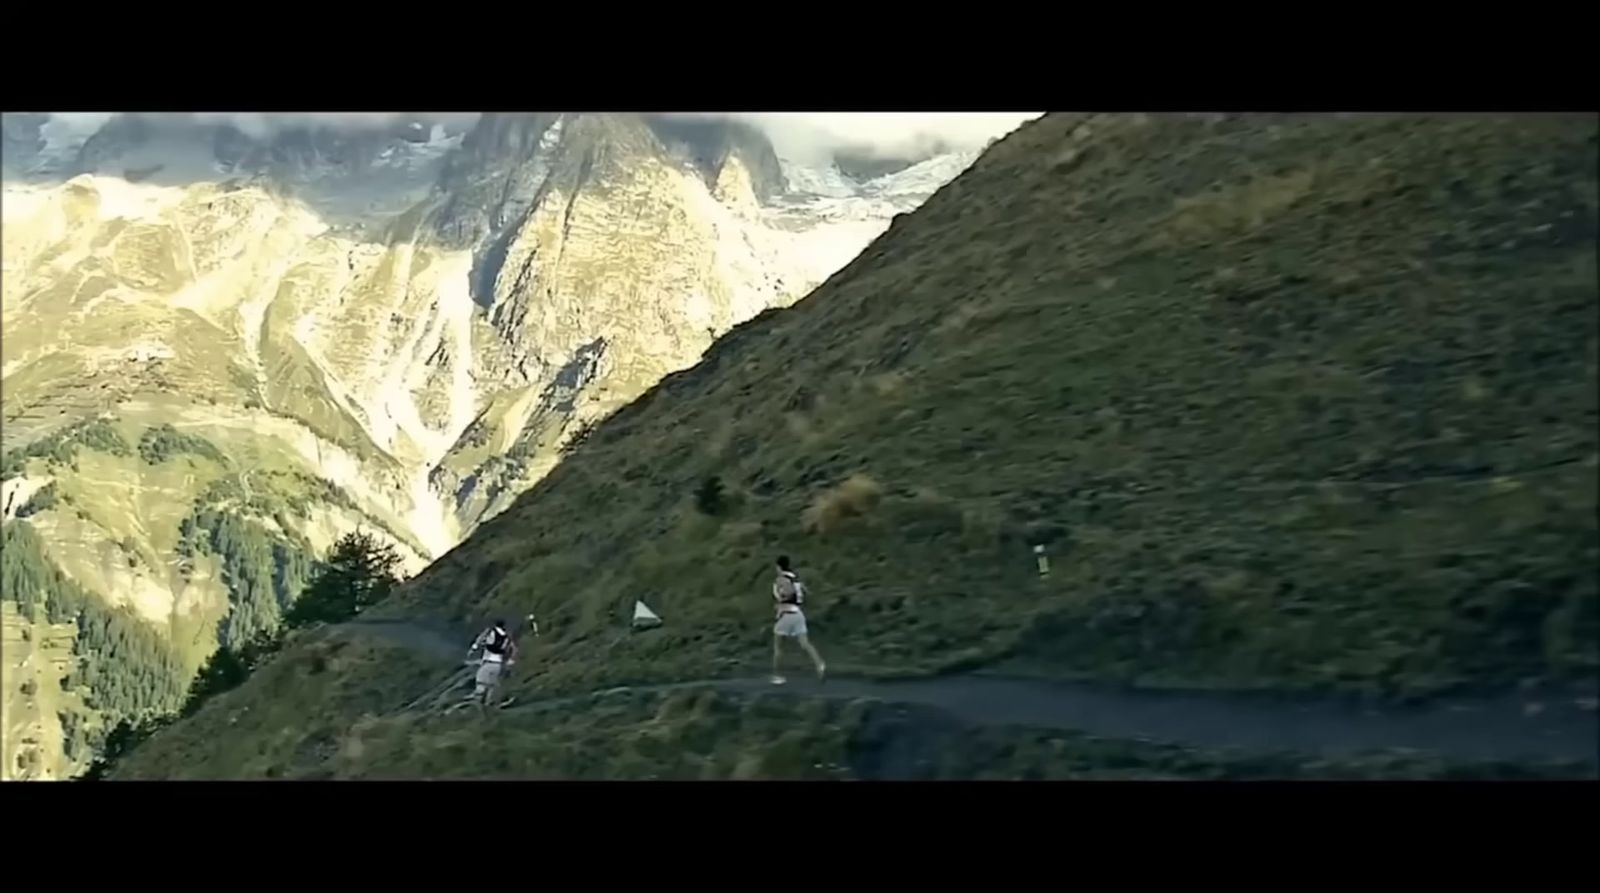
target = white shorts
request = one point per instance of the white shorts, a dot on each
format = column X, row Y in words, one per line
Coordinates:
column 792, row 624
column 488, row 675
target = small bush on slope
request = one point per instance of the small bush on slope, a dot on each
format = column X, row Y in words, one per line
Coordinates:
column 163, row 442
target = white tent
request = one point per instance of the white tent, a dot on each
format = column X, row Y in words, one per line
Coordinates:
column 643, row 617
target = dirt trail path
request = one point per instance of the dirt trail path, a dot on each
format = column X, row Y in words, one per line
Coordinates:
column 1508, row 727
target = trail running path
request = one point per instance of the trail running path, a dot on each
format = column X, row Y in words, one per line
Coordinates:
column 1508, row 727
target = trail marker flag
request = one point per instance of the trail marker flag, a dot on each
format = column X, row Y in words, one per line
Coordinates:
column 643, row 617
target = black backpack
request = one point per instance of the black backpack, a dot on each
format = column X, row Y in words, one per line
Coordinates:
column 496, row 643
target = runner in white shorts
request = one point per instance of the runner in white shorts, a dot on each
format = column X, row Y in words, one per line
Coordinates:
column 790, row 594
column 499, row 651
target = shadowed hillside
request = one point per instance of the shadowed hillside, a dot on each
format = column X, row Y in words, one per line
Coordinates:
column 1294, row 403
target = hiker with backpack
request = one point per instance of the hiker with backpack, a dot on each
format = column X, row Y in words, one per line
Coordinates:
column 790, row 594
column 499, row 652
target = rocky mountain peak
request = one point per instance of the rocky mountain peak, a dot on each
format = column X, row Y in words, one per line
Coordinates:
column 503, row 137
column 710, row 143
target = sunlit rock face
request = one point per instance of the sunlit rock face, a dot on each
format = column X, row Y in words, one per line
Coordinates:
column 391, row 329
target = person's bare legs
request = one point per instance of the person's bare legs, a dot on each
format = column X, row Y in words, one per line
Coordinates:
column 805, row 645
column 777, row 651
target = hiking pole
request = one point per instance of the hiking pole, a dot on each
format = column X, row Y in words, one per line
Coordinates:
column 433, row 694
column 430, row 693
column 443, row 703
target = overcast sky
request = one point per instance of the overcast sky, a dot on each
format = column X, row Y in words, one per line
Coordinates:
column 797, row 135
column 802, row 134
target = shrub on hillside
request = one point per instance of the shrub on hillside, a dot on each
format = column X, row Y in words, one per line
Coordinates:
column 852, row 498
column 709, row 498
column 124, row 737
column 61, row 447
column 580, row 434
column 229, row 667
column 44, row 498
column 162, row 442
column 101, row 435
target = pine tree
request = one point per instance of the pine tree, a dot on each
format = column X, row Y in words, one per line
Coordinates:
column 359, row 572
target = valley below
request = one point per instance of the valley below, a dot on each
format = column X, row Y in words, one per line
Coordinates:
column 224, row 352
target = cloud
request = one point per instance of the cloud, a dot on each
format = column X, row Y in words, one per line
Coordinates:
column 801, row 136
column 886, row 133
column 72, row 127
column 260, row 124
column 815, row 136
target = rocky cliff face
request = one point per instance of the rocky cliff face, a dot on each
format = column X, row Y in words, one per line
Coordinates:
column 395, row 329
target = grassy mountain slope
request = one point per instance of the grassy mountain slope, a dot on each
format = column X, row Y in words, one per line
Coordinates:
column 131, row 510
column 1294, row 402
column 75, row 665
column 38, row 661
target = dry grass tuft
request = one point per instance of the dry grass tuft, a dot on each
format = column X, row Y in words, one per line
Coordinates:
column 1243, row 207
column 962, row 315
column 887, row 384
column 799, row 427
column 850, row 499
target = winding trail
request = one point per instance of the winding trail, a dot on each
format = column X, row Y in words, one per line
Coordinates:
column 1499, row 728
